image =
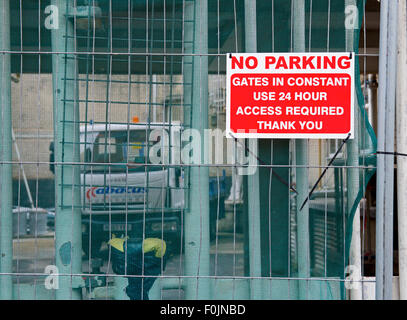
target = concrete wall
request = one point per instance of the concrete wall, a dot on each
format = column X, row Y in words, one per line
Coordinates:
column 33, row 110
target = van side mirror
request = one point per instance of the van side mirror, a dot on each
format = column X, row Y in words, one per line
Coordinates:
column 51, row 157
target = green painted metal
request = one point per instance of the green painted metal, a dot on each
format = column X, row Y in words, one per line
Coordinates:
column 367, row 145
column 6, row 218
column 29, row 291
column 120, row 284
column 228, row 289
column 68, row 246
column 274, row 200
column 303, row 240
column 165, row 284
column 253, row 179
column 281, row 289
column 268, row 197
column 188, row 27
column 274, row 194
column 197, row 217
column 301, row 161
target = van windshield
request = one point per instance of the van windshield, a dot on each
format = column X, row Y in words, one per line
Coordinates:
column 115, row 147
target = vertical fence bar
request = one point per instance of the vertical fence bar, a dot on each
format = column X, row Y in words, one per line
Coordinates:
column 380, row 143
column 188, row 29
column 301, row 161
column 352, row 173
column 253, row 180
column 68, row 247
column 197, row 219
column 187, row 72
column 6, row 218
column 385, row 143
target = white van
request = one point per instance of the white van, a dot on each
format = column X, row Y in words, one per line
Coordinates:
column 122, row 190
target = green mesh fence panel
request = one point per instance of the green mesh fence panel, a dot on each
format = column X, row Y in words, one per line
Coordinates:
column 330, row 221
column 137, row 68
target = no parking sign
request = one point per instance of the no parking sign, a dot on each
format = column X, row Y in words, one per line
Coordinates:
column 290, row 95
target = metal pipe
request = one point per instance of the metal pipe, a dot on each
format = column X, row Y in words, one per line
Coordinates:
column 371, row 88
column 301, row 159
column 196, row 227
column 254, row 179
column 385, row 163
column 68, row 237
column 27, row 187
column 352, row 175
column 6, row 185
column 401, row 117
column 154, row 99
column 355, row 257
column 390, row 141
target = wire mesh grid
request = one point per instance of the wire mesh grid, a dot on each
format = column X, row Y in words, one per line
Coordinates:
column 118, row 119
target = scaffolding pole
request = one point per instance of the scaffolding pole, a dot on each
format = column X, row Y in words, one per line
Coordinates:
column 68, row 238
column 197, row 243
column 353, row 177
column 402, row 148
column 6, row 186
column 385, row 143
column 301, row 161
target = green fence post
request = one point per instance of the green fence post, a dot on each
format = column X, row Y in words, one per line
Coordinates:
column 197, row 216
column 254, row 179
column 6, row 186
column 68, row 246
column 301, row 160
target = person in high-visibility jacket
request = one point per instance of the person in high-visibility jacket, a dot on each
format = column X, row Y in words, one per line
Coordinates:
column 154, row 262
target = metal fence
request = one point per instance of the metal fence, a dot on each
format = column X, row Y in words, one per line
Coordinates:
column 117, row 179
